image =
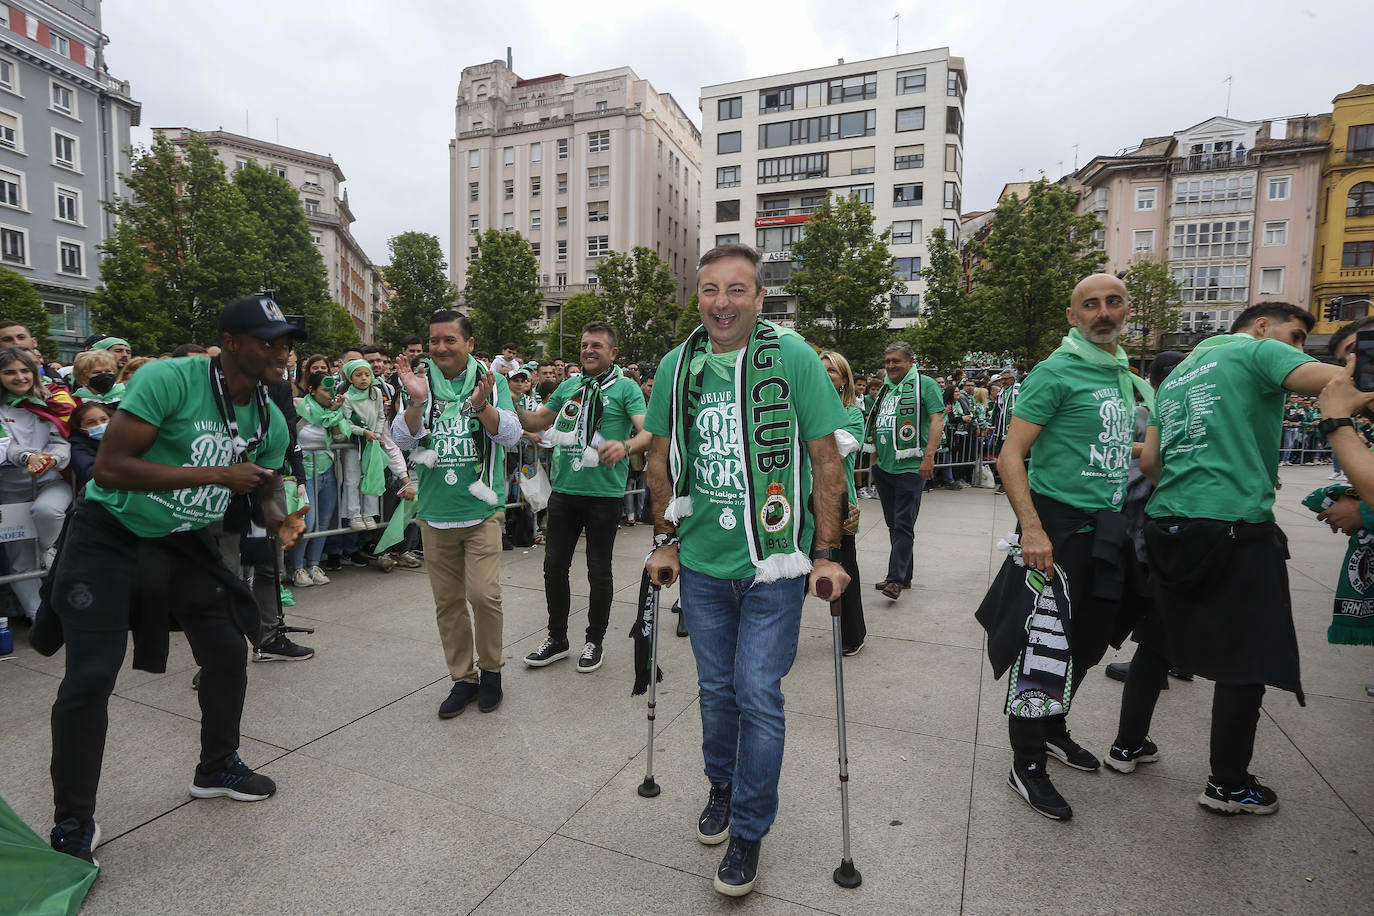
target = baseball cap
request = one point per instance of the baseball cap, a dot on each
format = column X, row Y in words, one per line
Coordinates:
column 519, row 370
column 258, row 316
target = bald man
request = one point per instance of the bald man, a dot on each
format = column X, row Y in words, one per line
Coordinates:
column 1072, row 587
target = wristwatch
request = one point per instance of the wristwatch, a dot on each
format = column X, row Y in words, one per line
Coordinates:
column 827, row 553
column 1330, row 425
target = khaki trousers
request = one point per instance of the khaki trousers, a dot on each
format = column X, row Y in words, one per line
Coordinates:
column 464, row 567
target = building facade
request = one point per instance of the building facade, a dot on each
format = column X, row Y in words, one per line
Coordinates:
column 64, row 136
column 354, row 281
column 888, row 131
column 580, row 166
column 1345, row 236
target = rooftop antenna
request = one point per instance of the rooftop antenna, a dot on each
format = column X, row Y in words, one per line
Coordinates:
column 1228, row 96
column 510, row 61
column 278, row 130
column 897, row 18
column 246, row 131
column 1075, row 157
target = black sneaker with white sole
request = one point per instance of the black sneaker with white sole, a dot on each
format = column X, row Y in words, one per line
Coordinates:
column 77, row 840
column 281, row 649
column 550, row 651
column 1249, row 797
column 740, row 868
column 590, row 659
column 233, row 780
column 1070, row 753
column 713, row 827
column 1125, row 761
column 1032, row 783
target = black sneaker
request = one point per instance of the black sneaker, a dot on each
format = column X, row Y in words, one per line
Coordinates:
column 1070, row 753
column 462, row 693
column 1248, row 797
column 76, row 841
column 550, row 651
column 195, row 681
column 1117, row 671
column 590, row 659
column 281, row 649
column 333, row 563
column 489, row 693
column 1032, row 783
column 713, row 827
column 1124, row 761
column 234, row 780
column 740, row 868
column 357, row 559
column 854, row 650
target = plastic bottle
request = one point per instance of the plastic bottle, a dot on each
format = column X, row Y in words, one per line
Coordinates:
column 6, row 637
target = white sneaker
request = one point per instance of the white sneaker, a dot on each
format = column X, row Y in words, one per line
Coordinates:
column 317, row 576
column 370, row 522
column 356, row 523
column 1335, row 476
column 49, row 556
column 301, row 579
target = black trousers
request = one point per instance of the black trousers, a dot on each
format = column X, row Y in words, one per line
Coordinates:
column 852, row 628
column 96, row 580
column 569, row 516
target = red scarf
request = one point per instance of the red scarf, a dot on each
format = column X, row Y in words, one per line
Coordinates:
column 55, row 409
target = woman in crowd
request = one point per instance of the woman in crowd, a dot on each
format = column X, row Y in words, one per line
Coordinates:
column 321, row 418
column 95, row 377
column 305, row 369
column 852, row 629
column 132, row 366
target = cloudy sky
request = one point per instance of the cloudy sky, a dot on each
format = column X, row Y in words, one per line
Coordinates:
column 373, row 84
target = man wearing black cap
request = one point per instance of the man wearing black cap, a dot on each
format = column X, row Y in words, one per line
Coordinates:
column 188, row 437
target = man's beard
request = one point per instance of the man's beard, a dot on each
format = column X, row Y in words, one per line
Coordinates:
column 1103, row 337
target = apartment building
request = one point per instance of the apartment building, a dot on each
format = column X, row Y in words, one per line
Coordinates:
column 64, row 133
column 578, row 165
column 354, row 281
column 1345, row 236
column 880, row 130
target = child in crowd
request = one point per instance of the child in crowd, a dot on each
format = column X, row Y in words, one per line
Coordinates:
column 364, row 467
column 322, row 418
column 87, row 425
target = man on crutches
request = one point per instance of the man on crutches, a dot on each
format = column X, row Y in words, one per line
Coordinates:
column 744, row 513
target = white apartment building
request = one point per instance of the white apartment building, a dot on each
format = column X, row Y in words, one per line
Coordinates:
column 578, row 165
column 354, row 281
column 889, row 131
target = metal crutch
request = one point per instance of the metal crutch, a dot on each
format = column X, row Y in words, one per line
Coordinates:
column 648, row 788
column 846, row 875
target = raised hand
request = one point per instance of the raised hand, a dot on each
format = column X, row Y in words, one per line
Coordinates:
column 481, row 392
column 416, row 387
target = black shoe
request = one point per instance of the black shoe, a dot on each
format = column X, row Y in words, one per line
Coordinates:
column 854, row 650
column 1248, row 797
column 357, row 559
column 740, row 868
column 1180, row 674
column 507, row 544
column 76, row 841
column 460, row 695
column 590, row 659
column 1070, row 753
column 1032, row 783
column 333, row 563
column 1117, row 671
column 549, row 651
column 713, row 827
column 234, row 780
column 489, row 694
column 1124, row 761
column 195, row 681
column 281, row 649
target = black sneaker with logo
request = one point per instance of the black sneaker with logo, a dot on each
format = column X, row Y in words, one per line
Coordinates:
column 1032, row 783
column 590, row 659
column 77, row 840
column 549, row 651
column 1070, row 753
column 233, row 780
column 713, row 827
column 281, row 649
column 740, row 868
column 1248, row 797
column 1125, row 761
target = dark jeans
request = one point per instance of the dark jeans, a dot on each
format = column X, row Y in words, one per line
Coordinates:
column 568, row 517
column 900, row 495
column 852, row 629
column 1028, row 736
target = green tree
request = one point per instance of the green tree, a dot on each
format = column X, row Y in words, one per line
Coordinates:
column 20, row 302
column 639, row 298
column 502, row 292
column 941, row 337
column 185, row 244
column 845, row 286
column 1154, row 302
column 418, row 278
column 564, row 333
column 688, row 321
column 1035, row 252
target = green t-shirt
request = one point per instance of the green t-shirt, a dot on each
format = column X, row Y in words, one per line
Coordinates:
column 932, row 402
column 618, row 404
column 1220, row 425
column 855, row 427
column 1083, row 453
column 442, row 494
column 174, row 395
column 713, row 537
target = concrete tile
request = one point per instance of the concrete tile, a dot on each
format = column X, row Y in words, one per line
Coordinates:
column 27, row 694
column 179, row 661
column 940, row 616
column 330, row 841
column 1337, row 737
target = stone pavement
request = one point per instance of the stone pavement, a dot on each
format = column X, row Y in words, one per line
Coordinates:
column 384, row 808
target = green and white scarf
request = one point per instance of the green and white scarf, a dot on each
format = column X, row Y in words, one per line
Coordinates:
column 446, row 399
column 768, row 439
column 1075, row 344
column 904, row 423
column 1352, row 613
column 580, row 419
column 113, row 396
column 372, row 460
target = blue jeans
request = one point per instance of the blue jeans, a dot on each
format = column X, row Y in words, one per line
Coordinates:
column 744, row 638
column 900, row 495
column 323, row 492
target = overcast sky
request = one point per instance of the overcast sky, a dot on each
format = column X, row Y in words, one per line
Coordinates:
column 373, row 84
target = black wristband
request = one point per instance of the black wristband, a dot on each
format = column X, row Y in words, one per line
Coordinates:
column 1328, row 426
column 826, row 553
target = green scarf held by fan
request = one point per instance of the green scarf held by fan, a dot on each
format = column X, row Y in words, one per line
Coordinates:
column 373, row 459
column 1352, row 614
column 1075, row 344
column 905, row 420
column 446, row 399
column 579, row 420
column 116, row 393
column 768, row 440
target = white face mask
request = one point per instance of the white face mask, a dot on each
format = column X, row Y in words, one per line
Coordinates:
column 96, row 432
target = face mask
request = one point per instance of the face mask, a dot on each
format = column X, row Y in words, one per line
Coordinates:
column 97, row 432
column 101, row 382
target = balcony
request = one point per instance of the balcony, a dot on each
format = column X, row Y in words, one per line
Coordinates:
column 1214, row 162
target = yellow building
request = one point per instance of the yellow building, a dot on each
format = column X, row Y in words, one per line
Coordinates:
column 1345, row 235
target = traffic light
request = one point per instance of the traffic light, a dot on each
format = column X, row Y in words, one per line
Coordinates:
column 1333, row 310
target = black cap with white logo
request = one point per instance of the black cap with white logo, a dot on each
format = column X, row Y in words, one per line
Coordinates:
column 258, row 316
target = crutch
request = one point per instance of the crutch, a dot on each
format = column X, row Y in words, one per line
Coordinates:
column 846, row 875
column 648, row 788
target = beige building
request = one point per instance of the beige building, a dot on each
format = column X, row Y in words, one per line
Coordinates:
column 354, row 281
column 578, row 165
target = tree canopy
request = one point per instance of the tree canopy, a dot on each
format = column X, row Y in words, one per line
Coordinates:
column 639, row 299
column 1154, row 302
column 22, row 303
column 564, row 335
column 502, row 292
column 418, row 279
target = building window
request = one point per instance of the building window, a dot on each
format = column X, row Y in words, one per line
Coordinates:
column 63, row 317
column 951, row 227
column 954, row 121
column 1217, row 283
column 601, row 106
column 727, row 211
column 477, row 124
column 954, row 84
column 1145, row 198
column 68, row 204
column 598, row 246
column 951, row 195
column 727, row 109
column 240, row 163
column 63, row 99
column 794, row 168
column 508, row 222
column 312, row 180
column 909, row 81
column 536, row 249
column 911, row 119
column 562, row 148
column 1209, row 196
column 853, row 88
column 730, row 238
column 728, row 177
column 9, row 72
column 1360, row 200
column 65, row 152
column 599, row 176
column 908, row 268
column 1280, row 188
column 563, row 183
column 561, row 250
column 508, row 189
column 1276, row 232
column 728, row 142
column 318, row 237
column 818, row 130
column 907, row 305
column 536, row 186
column 906, row 231
column 1229, row 239
column 907, row 195
column 11, row 189
column 312, row 206
column 771, row 100
column 598, row 211
column 474, row 159
column 1360, row 140
column 1143, row 241
column 562, row 216
column 508, row 156
column 10, row 134
column 13, row 246
column 279, row 170
column 1353, row 254
column 474, row 224
column 599, row 141
column 1271, row 281
column 909, row 157
column 536, row 220
column 474, row 191
column 69, row 258
column 954, row 159
column 59, row 43
column 536, row 152
column 474, row 253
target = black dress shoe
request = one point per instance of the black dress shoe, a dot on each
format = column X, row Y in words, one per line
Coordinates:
column 463, row 693
column 489, row 695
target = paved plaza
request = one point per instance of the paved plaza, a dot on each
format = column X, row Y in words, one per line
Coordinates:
column 384, row 808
